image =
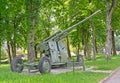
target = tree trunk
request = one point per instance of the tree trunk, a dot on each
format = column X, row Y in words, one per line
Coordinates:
column 93, row 38
column 31, row 49
column 13, row 41
column 113, row 44
column 109, row 11
column 93, row 42
column 109, row 33
column 96, row 46
column 88, row 53
column 85, row 51
column 35, row 51
column 0, row 51
column 32, row 11
column 13, row 49
column 8, row 51
column 85, row 44
column 78, row 49
column 0, row 42
column 68, row 47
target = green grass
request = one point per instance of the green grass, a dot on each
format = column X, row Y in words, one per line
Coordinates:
column 71, row 77
column 102, row 64
column 6, row 76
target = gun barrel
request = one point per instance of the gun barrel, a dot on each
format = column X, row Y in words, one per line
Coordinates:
column 52, row 36
column 66, row 32
column 60, row 35
column 74, row 26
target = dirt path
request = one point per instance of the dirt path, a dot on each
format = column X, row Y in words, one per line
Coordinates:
column 114, row 77
column 53, row 71
column 64, row 70
column 91, row 69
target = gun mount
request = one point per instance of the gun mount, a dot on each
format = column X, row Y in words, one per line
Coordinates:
column 54, row 51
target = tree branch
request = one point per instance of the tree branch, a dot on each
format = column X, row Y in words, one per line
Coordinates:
column 114, row 2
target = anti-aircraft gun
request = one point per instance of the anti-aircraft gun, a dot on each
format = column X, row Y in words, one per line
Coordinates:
column 54, row 50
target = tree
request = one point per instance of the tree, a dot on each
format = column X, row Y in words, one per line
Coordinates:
column 22, row 25
column 0, row 51
column 93, row 41
column 92, row 32
column 109, row 12
column 115, row 28
column 32, row 15
column 113, row 44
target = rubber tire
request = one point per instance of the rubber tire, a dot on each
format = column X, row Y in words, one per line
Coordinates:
column 15, row 62
column 40, row 65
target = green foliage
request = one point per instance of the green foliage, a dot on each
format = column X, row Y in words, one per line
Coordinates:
column 116, row 19
column 3, row 54
column 52, row 16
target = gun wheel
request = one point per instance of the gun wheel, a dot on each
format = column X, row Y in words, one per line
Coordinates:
column 44, row 65
column 17, row 65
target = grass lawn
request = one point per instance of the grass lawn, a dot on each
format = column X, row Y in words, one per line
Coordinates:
column 102, row 64
column 6, row 76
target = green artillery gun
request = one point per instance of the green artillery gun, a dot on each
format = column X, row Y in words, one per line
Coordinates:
column 54, row 50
